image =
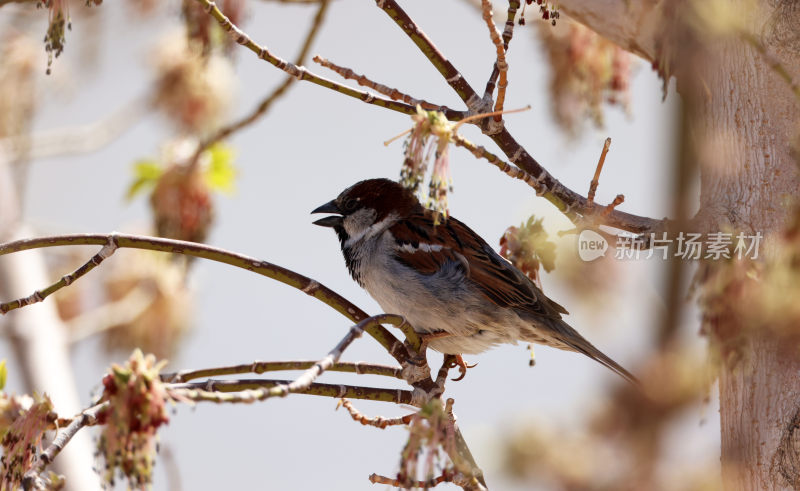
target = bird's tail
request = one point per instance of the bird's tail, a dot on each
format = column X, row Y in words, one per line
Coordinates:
column 571, row 340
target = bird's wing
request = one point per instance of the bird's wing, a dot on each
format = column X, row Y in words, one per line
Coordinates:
column 427, row 247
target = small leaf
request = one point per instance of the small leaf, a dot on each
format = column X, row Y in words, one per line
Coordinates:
column 146, row 174
column 221, row 172
column 3, row 374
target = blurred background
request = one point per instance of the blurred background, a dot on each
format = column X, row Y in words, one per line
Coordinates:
column 126, row 77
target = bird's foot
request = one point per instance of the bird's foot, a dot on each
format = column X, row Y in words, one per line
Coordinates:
column 458, row 361
column 427, row 337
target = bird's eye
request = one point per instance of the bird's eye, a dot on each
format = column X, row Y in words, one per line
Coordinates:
column 350, row 204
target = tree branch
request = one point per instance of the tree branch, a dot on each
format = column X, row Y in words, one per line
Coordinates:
column 394, row 94
column 500, row 65
column 296, row 280
column 449, row 72
column 66, row 280
column 88, row 417
column 565, row 199
column 276, row 94
column 299, row 72
column 248, row 391
column 508, row 32
column 259, row 367
column 309, row 376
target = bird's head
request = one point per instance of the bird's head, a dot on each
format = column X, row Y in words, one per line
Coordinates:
column 364, row 205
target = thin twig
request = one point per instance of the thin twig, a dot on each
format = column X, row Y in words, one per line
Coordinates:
column 508, row 169
column 260, row 367
column 299, row 72
column 555, row 192
column 309, row 376
column 88, row 417
column 66, row 280
column 394, row 94
column 596, row 179
column 449, row 72
column 289, row 277
column 508, row 32
column 276, row 94
column 249, row 391
column 502, row 66
column 377, row 421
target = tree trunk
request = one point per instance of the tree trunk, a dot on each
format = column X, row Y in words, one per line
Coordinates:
column 744, row 120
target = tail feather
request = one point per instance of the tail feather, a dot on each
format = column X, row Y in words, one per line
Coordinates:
column 570, row 339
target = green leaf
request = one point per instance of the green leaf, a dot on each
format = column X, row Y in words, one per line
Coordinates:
column 146, row 173
column 221, row 172
column 3, row 374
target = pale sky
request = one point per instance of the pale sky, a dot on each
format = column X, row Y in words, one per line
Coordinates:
column 313, row 144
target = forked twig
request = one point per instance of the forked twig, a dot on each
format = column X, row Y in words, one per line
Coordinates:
column 66, row 280
column 502, row 66
column 389, row 92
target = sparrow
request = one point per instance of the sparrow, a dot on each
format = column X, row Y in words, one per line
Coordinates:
column 442, row 277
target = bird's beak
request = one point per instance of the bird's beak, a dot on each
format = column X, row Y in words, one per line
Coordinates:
column 331, row 221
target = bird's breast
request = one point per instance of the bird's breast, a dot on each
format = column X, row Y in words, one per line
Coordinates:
column 444, row 301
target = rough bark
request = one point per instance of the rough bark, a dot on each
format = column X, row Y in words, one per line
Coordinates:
column 744, row 118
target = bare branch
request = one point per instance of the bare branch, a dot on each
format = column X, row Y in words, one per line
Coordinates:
column 508, row 32
column 562, row 197
column 276, row 94
column 567, row 200
column 304, row 381
column 303, row 283
column 500, row 64
column 393, row 94
column 299, row 72
column 259, row 367
column 249, row 391
column 66, row 280
column 88, row 417
column 451, row 75
column 510, row 170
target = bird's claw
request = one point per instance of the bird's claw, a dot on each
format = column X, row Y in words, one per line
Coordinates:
column 458, row 361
